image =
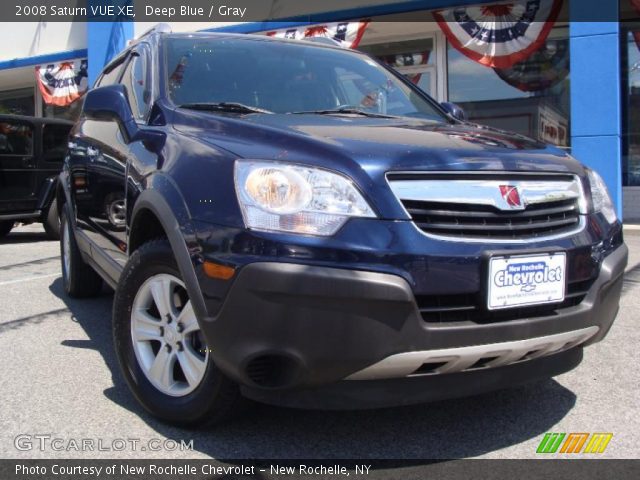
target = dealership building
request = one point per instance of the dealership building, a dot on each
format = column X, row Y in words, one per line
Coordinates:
column 569, row 81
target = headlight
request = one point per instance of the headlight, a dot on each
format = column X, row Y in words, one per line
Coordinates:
column 600, row 197
column 290, row 198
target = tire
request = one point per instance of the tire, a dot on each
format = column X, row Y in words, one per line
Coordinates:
column 5, row 227
column 51, row 222
column 78, row 278
column 151, row 285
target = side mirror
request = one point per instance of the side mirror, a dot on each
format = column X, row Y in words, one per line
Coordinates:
column 455, row 111
column 110, row 103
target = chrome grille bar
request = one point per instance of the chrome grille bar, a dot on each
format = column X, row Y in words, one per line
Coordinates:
column 505, row 208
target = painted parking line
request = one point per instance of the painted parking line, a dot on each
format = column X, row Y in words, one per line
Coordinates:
column 26, row 279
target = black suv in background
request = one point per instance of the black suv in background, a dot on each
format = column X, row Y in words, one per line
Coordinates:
column 31, row 155
column 303, row 226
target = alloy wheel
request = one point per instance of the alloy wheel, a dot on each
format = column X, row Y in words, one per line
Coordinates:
column 167, row 339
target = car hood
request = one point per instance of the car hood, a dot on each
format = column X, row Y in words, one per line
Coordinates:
column 374, row 144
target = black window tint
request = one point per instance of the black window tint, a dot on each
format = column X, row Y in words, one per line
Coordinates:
column 16, row 138
column 136, row 81
column 54, row 141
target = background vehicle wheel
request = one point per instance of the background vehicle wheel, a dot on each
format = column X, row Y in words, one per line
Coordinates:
column 5, row 227
column 115, row 209
column 162, row 352
column 51, row 222
column 78, row 278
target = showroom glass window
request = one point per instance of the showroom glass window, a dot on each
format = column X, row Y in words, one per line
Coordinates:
column 70, row 112
column 414, row 58
column 630, row 36
column 531, row 98
column 18, row 102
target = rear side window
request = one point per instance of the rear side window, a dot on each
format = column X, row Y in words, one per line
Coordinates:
column 54, row 141
column 16, row 138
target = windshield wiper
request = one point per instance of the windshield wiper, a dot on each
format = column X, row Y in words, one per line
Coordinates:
column 224, row 107
column 349, row 110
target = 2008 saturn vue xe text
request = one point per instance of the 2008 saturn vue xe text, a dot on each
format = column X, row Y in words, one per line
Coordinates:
column 302, row 226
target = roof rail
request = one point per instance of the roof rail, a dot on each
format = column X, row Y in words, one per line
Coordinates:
column 158, row 28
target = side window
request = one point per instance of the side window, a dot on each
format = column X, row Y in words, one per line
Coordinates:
column 54, row 141
column 136, row 79
column 110, row 76
column 16, row 138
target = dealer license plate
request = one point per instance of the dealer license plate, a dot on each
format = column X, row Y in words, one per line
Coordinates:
column 517, row 281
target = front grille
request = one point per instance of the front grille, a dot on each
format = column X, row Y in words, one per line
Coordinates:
column 439, row 309
column 498, row 206
column 485, row 221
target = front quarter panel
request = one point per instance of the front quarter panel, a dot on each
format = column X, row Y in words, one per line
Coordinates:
column 204, row 176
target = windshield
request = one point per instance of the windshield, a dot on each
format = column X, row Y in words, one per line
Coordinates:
column 286, row 78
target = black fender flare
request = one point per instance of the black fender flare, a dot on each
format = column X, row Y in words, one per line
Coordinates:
column 163, row 199
column 63, row 196
column 47, row 193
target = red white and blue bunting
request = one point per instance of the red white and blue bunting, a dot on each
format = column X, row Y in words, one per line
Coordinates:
column 348, row 34
column 502, row 34
column 63, row 83
column 544, row 69
column 408, row 60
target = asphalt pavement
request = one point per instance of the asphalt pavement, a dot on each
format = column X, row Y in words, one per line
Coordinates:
column 59, row 378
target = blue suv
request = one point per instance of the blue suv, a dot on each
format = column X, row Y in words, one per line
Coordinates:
column 297, row 224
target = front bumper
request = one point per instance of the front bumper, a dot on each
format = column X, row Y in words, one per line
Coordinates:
column 286, row 327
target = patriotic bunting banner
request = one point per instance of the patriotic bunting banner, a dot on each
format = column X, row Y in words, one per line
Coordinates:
column 63, row 83
column 348, row 34
column 408, row 60
column 542, row 70
column 499, row 35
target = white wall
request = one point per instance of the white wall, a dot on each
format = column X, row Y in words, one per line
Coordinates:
column 28, row 39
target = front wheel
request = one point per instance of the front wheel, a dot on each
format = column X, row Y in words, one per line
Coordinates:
column 160, row 347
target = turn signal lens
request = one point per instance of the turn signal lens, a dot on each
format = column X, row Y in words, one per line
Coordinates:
column 217, row 271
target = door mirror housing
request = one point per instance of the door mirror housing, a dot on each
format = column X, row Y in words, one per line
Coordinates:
column 110, row 103
column 456, row 111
